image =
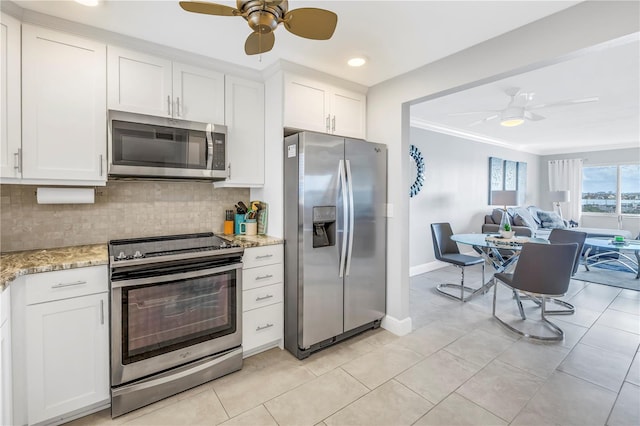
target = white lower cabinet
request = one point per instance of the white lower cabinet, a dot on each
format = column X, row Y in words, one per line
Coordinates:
column 6, row 381
column 262, row 299
column 65, row 344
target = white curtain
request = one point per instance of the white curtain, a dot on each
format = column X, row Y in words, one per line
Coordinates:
column 567, row 175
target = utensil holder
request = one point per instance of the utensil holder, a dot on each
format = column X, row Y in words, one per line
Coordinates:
column 239, row 219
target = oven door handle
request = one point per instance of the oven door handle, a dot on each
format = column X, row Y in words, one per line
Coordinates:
column 172, row 376
column 121, row 283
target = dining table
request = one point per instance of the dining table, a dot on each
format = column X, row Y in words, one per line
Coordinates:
column 501, row 253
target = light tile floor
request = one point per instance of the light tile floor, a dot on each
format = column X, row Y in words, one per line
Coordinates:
column 458, row 367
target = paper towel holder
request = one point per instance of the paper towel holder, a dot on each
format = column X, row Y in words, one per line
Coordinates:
column 67, row 195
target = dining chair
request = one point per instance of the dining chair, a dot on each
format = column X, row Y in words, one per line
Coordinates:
column 563, row 236
column 446, row 250
column 543, row 271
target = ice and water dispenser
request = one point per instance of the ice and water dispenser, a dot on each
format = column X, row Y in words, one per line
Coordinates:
column 324, row 226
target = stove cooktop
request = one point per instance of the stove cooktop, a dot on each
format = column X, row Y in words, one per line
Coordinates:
column 186, row 245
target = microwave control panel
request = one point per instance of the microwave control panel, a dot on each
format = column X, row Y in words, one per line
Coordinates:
column 218, row 152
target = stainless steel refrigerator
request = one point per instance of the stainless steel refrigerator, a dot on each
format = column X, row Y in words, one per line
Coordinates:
column 335, row 192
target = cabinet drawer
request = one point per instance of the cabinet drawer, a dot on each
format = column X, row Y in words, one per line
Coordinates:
column 259, row 256
column 261, row 296
column 261, row 326
column 260, row 277
column 56, row 285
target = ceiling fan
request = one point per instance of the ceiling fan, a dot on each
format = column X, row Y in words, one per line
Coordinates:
column 520, row 108
column 264, row 16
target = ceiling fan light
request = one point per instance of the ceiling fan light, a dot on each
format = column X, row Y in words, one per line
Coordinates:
column 511, row 122
column 357, row 61
column 512, row 117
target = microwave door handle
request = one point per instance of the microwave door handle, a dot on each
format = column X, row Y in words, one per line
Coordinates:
column 209, row 147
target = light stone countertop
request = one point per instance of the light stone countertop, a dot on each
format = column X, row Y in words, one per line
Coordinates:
column 17, row 263
column 251, row 241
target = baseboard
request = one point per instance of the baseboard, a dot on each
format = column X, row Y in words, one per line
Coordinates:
column 426, row 267
column 432, row 266
column 396, row 326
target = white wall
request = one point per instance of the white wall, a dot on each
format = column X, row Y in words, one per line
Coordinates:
column 579, row 27
column 590, row 159
column 456, row 188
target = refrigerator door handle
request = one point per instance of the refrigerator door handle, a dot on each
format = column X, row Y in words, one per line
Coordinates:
column 343, row 185
column 351, row 215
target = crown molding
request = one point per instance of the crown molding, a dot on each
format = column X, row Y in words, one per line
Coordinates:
column 532, row 149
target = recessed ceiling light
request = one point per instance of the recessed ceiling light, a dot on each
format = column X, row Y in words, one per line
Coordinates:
column 357, row 61
column 88, row 2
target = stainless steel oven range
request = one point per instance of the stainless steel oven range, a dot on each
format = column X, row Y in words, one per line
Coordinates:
column 175, row 316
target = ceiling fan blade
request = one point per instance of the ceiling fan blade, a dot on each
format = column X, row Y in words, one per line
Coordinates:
column 484, row 120
column 310, row 22
column 209, row 8
column 259, row 43
column 565, row 103
column 533, row 116
column 455, row 114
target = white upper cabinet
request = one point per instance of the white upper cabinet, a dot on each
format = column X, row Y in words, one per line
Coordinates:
column 10, row 132
column 348, row 112
column 151, row 85
column 316, row 106
column 198, row 94
column 244, row 113
column 63, row 107
column 138, row 82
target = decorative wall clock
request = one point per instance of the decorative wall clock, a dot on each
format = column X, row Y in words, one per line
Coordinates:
column 416, row 155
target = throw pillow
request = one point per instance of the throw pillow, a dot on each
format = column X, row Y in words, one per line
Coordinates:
column 522, row 217
column 496, row 215
column 533, row 210
column 551, row 220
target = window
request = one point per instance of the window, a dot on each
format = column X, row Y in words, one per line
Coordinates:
column 611, row 189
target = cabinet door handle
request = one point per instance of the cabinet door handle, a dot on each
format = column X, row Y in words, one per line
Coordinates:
column 178, row 107
column 168, row 105
column 18, row 160
column 101, row 311
column 327, row 122
column 62, row 285
column 258, row 328
column 264, row 277
column 333, row 124
column 268, row 296
column 265, row 256
column 100, row 156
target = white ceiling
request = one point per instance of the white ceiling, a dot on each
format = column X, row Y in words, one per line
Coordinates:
column 399, row 36
column 396, row 36
column 612, row 74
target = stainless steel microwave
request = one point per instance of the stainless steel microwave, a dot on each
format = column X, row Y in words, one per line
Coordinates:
column 145, row 146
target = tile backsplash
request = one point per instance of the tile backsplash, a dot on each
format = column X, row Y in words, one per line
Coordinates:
column 122, row 209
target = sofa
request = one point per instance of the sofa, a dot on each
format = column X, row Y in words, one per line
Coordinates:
column 532, row 221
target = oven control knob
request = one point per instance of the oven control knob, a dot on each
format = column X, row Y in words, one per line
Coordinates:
column 121, row 256
column 137, row 255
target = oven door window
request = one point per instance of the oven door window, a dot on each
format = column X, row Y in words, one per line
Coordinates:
column 136, row 144
column 161, row 318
